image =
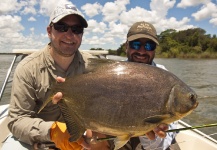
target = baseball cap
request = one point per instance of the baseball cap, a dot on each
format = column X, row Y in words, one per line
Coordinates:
column 142, row 30
column 64, row 10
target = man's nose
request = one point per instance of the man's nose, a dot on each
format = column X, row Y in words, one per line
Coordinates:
column 70, row 33
column 142, row 49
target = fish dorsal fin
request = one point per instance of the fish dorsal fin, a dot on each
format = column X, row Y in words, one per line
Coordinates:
column 120, row 141
column 73, row 123
column 156, row 119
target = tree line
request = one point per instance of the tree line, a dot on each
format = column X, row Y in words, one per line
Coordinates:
column 190, row 43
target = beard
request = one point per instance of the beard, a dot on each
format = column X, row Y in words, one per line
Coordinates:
column 61, row 52
column 140, row 58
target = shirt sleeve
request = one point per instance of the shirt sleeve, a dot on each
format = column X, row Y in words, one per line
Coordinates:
column 23, row 123
column 158, row 142
column 161, row 66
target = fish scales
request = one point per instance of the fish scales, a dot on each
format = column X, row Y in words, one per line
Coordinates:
column 123, row 98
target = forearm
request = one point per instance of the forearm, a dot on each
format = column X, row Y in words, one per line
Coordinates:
column 30, row 130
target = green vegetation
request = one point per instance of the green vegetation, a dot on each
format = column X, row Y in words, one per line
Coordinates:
column 96, row 49
column 190, row 43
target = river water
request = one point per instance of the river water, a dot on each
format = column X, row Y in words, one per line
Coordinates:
column 199, row 74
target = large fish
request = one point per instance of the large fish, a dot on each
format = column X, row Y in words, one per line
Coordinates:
column 122, row 99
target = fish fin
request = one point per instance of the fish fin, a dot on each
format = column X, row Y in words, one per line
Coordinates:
column 73, row 123
column 44, row 104
column 120, row 141
column 157, row 118
column 50, row 92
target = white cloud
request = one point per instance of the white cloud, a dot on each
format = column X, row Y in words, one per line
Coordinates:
column 10, row 6
column 44, row 36
column 19, row 41
column 11, row 36
column 29, row 10
column 173, row 23
column 32, row 30
column 29, row 7
column 118, row 30
column 7, row 22
column 136, row 14
column 213, row 21
column 93, row 42
column 191, row 3
column 31, row 19
column 92, row 9
column 165, row 5
column 157, row 16
column 112, row 10
column 207, row 11
column 14, row 6
column 95, row 27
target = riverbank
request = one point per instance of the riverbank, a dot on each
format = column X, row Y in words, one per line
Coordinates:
column 207, row 55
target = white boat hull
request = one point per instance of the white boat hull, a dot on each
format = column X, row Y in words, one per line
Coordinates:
column 194, row 139
column 3, row 123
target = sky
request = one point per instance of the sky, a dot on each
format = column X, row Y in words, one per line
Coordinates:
column 23, row 23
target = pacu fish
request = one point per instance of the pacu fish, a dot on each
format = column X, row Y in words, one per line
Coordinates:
column 122, row 99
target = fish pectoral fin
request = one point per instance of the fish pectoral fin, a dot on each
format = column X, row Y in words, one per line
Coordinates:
column 73, row 123
column 44, row 104
column 120, row 141
column 157, row 118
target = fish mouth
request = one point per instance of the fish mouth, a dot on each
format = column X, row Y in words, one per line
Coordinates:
column 193, row 99
column 195, row 105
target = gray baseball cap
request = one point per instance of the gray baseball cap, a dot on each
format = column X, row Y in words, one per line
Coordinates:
column 142, row 30
column 64, row 10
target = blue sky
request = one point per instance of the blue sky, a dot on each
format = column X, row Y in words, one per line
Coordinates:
column 23, row 22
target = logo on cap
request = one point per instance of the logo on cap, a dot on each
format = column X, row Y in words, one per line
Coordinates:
column 144, row 26
column 68, row 6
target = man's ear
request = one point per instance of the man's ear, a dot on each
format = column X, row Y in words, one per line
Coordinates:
column 126, row 46
column 81, row 35
column 49, row 31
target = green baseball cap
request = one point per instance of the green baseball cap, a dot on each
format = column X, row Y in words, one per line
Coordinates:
column 142, row 30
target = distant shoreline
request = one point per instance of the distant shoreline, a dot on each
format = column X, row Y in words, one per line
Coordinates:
column 205, row 55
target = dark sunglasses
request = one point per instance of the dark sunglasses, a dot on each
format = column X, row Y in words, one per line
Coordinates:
column 149, row 45
column 62, row 27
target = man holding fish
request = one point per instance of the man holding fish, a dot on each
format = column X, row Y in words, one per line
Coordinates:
column 140, row 47
column 35, row 74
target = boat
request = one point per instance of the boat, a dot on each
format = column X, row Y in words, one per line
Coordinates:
column 187, row 140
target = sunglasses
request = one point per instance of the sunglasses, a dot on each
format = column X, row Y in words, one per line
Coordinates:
column 62, row 27
column 136, row 45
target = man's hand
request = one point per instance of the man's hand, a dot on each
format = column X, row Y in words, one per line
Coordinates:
column 58, row 96
column 102, row 145
column 159, row 131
